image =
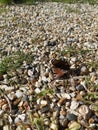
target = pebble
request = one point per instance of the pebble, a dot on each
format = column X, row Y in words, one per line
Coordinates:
column 71, row 117
column 6, row 127
column 63, row 122
column 51, row 43
column 80, row 87
column 37, row 90
column 22, row 117
column 74, row 105
column 43, row 103
column 74, row 126
column 19, row 93
column 53, row 126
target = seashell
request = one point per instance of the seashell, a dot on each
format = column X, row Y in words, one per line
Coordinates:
column 84, row 111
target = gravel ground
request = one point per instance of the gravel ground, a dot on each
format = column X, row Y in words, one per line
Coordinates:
column 49, row 67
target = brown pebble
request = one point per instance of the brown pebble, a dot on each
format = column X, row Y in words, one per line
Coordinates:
column 61, row 101
column 79, row 97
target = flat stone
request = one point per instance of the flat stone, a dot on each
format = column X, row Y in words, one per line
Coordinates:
column 71, row 117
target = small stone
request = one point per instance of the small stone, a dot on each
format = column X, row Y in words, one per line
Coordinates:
column 46, row 121
column 61, row 101
column 30, row 73
column 65, row 95
column 10, row 119
column 53, row 43
column 43, row 103
column 80, row 87
column 84, row 70
column 79, row 97
column 74, row 105
column 17, row 120
column 63, row 122
column 56, row 113
column 22, row 117
column 74, row 126
column 71, row 117
column 6, row 127
column 19, row 127
column 1, row 122
column 45, row 109
column 1, row 112
column 53, row 126
column 44, row 79
column 37, row 90
column 19, row 93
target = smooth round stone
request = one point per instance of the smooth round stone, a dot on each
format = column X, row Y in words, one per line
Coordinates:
column 71, row 117
column 43, row 103
column 37, row 90
column 45, row 109
column 53, row 43
column 80, row 87
column 74, row 126
column 19, row 93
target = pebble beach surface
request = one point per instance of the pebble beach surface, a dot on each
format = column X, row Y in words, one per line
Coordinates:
column 49, row 67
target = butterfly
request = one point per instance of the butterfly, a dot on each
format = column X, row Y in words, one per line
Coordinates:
column 61, row 67
column 58, row 73
column 61, row 63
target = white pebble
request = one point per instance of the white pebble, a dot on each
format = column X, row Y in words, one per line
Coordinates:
column 19, row 93
column 37, row 90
